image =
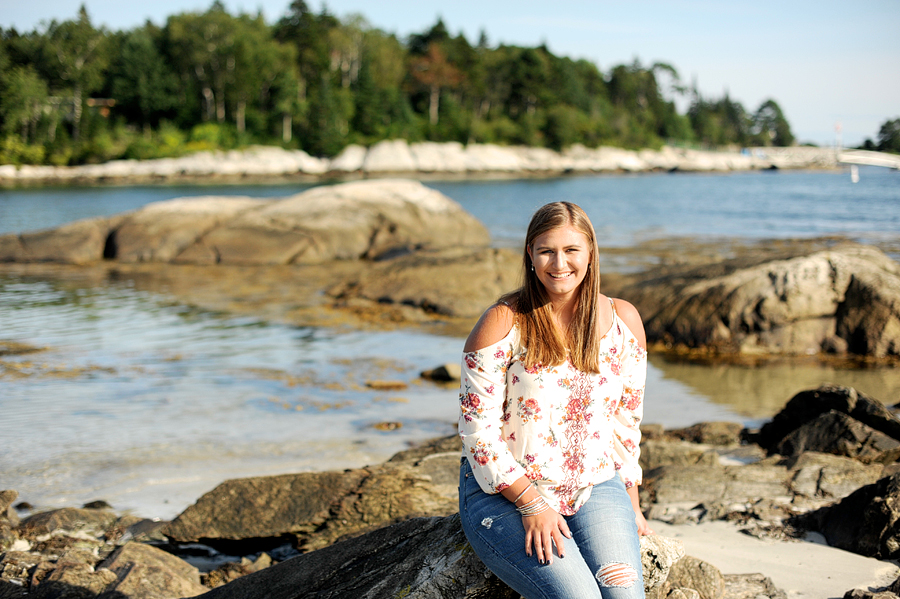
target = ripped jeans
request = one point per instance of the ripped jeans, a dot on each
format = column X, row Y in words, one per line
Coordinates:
column 604, row 548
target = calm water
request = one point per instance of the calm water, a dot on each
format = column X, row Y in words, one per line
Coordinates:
column 147, row 404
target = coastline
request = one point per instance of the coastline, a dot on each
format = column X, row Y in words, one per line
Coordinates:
column 801, row 569
column 425, row 160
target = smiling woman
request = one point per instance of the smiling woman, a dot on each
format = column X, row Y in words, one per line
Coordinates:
column 551, row 400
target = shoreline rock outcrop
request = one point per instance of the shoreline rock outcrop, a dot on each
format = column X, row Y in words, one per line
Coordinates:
column 423, row 159
column 392, row 529
column 357, row 220
column 398, row 245
column 843, row 300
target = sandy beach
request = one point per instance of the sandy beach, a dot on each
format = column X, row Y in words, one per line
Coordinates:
column 803, row 570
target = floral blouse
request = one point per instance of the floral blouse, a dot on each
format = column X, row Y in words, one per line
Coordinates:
column 564, row 429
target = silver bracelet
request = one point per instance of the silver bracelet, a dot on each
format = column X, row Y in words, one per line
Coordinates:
column 525, row 490
column 534, row 507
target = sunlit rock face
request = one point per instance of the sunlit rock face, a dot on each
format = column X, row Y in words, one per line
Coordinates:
column 363, row 219
column 841, row 300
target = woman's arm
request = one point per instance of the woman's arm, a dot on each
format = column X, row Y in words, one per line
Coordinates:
column 643, row 527
column 482, row 393
column 630, row 410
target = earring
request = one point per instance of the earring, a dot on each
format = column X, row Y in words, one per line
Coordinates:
column 532, row 268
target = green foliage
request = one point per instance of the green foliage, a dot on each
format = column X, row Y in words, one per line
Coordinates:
column 73, row 93
column 75, row 52
column 563, row 127
column 210, row 136
column 167, row 141
column 889, row 136
column 720, row 123
column 142, row 82
column 13, row 150
column 24, row 95
column 770, row 127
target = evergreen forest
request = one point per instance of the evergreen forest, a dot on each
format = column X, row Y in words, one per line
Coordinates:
column 74, row 93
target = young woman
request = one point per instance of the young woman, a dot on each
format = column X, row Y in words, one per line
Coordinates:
column 551, row 398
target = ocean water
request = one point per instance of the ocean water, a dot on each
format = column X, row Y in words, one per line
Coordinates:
column 147, row 403
column 625, row 209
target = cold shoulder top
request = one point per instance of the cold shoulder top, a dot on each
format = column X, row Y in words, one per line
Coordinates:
column 564, row 429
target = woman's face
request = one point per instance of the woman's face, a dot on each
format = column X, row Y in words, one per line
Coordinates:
column 561, row 258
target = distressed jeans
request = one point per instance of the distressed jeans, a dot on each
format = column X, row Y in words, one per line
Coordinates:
column 604, row 544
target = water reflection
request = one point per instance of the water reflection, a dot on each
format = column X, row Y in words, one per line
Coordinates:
column 148, row 403
column 757, row 393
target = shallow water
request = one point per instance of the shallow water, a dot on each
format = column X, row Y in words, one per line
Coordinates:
column 147, row 403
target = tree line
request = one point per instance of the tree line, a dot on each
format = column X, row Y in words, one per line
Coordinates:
column 73, row 93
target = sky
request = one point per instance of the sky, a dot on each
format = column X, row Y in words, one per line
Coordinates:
column 828, row 63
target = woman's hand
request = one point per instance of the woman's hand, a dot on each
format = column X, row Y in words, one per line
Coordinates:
column 542, row 532
column 642, row 526
column 543, row 529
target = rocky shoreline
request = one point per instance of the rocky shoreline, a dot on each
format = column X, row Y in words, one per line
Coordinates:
column 826, row 464
column 396, row 251
column 829, row 458
column 422, row 160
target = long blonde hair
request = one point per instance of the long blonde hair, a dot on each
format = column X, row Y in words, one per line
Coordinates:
column 545, row 343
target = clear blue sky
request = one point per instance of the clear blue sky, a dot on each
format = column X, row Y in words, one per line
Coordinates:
column 823, row 61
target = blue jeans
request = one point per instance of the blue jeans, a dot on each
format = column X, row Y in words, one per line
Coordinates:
column 604, row 544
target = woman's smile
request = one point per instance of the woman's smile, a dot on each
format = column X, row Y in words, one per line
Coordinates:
column 560, row 258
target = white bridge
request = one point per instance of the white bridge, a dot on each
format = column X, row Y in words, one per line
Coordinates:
column 869, row 158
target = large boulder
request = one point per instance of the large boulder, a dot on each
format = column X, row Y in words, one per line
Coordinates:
column 866, row 522
column 79, row 242
column 145, row 572
column 161, row 231
column 314, row 509
column 751, row 586
column 454, row 282
column 68, row 520
column 806, row 406
column 844, row 299
column 827, row 477
column 423, row 558
column 709, row 483
column 656, row 453
column 836, row 433
column 692, row 573
column 362, row 219
column 267, row 507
